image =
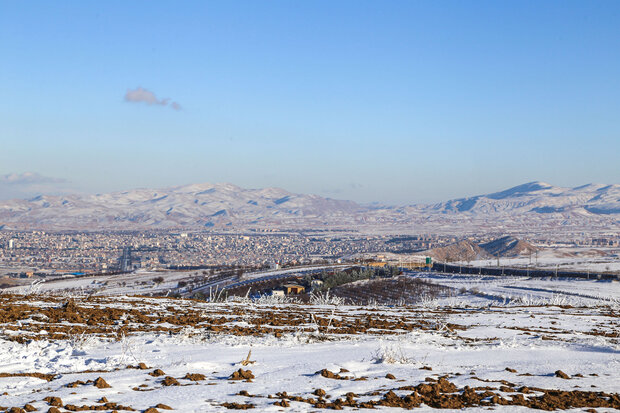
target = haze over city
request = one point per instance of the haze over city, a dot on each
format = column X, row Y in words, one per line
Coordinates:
column 397, row 102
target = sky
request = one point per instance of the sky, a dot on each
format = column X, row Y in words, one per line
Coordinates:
column 374, row 101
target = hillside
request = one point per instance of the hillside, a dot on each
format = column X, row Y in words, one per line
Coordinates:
column 466, row 250
column 532, row 207
column 460, row 251
column 508, row 247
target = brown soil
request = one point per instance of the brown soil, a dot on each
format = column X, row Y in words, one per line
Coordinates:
column 100, row 407
column 319, row 392
column 102, row 317
column 331, row 375
column 443, row 394
column 46, row 377
column 238, row 406
column 100, row 383
column 242, row 375
column 562, row 375
column 53, row 401
column 195, row 376
column 170, row 381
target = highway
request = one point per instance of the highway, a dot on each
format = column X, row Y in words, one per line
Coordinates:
column 234, row 281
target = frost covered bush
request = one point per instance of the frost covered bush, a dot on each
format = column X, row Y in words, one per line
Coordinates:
column 391, row 354
column 325, row 299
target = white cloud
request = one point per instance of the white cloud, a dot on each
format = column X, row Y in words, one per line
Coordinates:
column 30, row 184
column 141, row 95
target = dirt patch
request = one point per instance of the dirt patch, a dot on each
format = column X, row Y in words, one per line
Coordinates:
column 562, row 375
column 100, row 383
column 169, row 381
column 46, row 377
column 54, row 401
column 194, row 376
column 242, row 375
column 442, row 394
column 238, row 406
column 331, row 375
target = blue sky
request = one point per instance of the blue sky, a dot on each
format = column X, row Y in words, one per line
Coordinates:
column 395, row 102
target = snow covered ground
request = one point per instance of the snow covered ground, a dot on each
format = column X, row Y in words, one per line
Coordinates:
column 576, row 259
column 529, row 290
column 382, row 357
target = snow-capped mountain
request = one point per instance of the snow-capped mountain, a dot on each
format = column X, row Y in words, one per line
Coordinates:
column 538, row 197
column 191, row 206
column 529, row 207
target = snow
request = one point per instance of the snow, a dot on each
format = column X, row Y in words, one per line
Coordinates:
column 535, row 338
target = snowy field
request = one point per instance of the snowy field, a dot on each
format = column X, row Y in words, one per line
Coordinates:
column 544, row 345
column 527, row 290
column 565, row 258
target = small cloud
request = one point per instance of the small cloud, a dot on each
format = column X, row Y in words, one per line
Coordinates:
column 29, row 184
column 141, row 95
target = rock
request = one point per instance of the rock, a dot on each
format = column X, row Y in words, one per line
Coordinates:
column 561, row 374
column 54, row 401
column 100, row 383
column 242, row 375
column 320, row 392
column 195, row 376
column 170, row 381
column 390, row 376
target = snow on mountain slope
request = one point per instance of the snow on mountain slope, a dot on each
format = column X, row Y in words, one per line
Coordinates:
column 535, row 206
column 538, row 197
column 192, row 206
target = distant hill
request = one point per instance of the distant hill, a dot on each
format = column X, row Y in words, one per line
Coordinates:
column 507, row 246
column 460, row 251
column 531, row 207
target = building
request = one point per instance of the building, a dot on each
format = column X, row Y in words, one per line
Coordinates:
column 293, row 289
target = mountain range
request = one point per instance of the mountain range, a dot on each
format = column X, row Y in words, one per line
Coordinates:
column 531, row 207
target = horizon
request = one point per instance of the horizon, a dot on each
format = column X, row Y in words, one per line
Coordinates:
column 25, row 182
column 397, row 102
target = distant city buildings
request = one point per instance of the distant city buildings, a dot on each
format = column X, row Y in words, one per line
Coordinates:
column 61, row 253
